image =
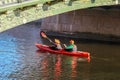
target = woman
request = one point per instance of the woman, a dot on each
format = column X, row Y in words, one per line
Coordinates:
column 56, row 45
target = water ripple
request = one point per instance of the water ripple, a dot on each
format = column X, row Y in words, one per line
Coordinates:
column 9, row 57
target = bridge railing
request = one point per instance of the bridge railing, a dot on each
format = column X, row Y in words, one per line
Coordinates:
column 10, row 2
column 14, row 4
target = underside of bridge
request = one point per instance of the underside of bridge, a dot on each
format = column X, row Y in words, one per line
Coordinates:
column 18, row 12
column 99, row 23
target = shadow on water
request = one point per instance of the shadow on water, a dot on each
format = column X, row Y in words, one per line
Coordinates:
column 104, row 58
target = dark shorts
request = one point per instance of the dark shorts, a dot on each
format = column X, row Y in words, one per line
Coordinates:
column 53, row 48
column 69, row 50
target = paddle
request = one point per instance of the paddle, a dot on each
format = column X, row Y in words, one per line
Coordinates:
column 43, row 34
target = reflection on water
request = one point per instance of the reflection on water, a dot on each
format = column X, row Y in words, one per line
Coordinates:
column 9, row 57
column 73, row 66
column 20, row 60
column 57, row 69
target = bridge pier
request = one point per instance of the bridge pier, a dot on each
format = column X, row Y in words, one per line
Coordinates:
column 97, row 21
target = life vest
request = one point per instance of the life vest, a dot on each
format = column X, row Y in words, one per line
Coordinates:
column 74, row 48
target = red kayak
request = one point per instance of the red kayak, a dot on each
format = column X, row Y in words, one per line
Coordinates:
column 77, row 53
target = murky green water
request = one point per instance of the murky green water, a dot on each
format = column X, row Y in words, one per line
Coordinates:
column 20, row 60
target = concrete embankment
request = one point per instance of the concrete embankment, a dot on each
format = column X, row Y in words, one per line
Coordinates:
column 95, row 24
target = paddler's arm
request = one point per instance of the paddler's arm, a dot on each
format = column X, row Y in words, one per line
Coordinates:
column 52, row 42
column 64, row 45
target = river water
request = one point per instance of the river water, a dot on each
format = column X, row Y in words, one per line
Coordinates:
column 20, row 60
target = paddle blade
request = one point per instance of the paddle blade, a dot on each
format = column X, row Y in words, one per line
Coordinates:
column 43, row 34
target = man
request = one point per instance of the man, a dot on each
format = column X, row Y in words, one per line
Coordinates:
column 71, row 47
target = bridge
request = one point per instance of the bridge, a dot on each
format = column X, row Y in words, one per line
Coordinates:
column 17, row 12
